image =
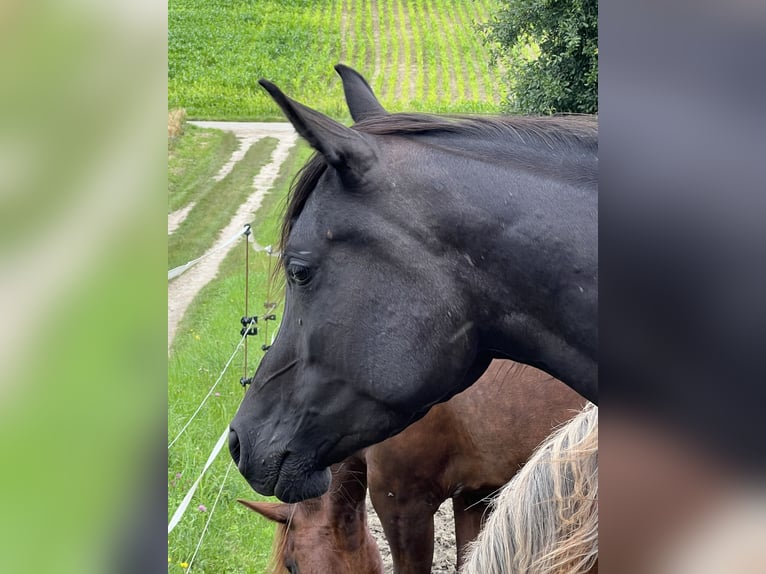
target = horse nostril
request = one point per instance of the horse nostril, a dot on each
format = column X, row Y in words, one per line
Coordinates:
column 234, row 446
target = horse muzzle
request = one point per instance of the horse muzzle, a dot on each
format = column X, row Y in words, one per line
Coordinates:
column 281, row 473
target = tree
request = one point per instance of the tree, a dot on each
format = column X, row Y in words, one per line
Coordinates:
column 550, row 51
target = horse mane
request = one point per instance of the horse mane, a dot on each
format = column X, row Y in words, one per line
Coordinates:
column 552, row 133
column 276, row 563
column 545, row 521
column 555, row 132
column 278, row 548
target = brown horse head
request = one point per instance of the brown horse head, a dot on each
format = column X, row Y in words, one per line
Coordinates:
column 325, row 534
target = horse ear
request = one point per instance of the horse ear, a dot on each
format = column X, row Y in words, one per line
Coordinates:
column 274, row 511
column 345, row 149
column 360, row 98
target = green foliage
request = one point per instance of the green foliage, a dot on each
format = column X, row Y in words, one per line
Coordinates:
column 562, row 73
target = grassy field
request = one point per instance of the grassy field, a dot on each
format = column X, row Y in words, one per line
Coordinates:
column 237, row 540
column 216, row 203
column 419, row 55
column 193, row 160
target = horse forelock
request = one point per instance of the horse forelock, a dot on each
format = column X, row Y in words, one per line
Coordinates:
column 278, row 550
column 307, row 509
column 552, row 134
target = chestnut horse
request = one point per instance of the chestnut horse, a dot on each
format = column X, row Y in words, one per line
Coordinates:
column 464, row 449
column 328, row 534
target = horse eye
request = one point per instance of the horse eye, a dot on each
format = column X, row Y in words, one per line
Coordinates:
column 298, row 274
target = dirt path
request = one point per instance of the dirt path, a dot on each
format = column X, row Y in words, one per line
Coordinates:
column 183, row 289
column 177, row 217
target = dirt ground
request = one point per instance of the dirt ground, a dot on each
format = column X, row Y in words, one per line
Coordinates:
column 444, row 540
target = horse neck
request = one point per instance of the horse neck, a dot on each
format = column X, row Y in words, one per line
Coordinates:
column 337, row 521
column 348, row 509
column 346, row 505
column 524, row 244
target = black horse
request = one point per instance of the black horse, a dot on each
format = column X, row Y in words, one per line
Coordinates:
column 417, row 248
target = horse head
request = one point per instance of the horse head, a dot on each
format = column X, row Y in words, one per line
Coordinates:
column 363, row 299
column 416, row 248
column 326, row 534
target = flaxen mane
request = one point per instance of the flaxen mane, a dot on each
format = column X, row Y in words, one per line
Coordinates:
column 278, row 547
column 545, row 521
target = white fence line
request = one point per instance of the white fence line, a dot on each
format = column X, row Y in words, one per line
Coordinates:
column 176, row 271
column 210, row 515
column 178, row 514
column 210, row 392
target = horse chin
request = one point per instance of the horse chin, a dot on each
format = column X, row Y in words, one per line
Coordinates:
column 302, row 485
column 289, row 477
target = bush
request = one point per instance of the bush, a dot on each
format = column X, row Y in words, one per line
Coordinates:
column 550, row 51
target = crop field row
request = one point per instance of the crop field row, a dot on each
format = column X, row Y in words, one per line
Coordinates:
column 425, row 55
column 218, row 49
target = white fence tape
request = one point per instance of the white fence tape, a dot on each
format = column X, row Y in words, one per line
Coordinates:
column 178, row 514
column 176, row 271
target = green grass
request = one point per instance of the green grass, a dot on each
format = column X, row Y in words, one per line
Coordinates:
column 216, row 204
column 217, row 50
column 238, row 540
column 193, row 161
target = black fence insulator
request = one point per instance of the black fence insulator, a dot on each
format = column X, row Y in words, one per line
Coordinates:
column 250, row 331
column 249, row 320
column 245, row 381
column 271, row 317
column 265, row 347
column 247, row 230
